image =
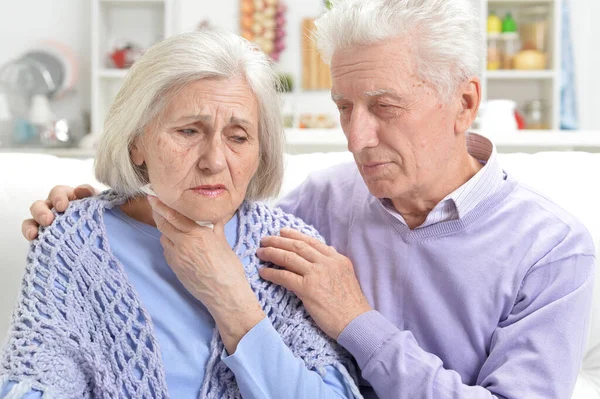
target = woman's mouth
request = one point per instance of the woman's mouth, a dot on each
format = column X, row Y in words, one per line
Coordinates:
column 210, row 191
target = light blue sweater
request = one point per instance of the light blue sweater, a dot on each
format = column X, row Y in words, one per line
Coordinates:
column 263, row 365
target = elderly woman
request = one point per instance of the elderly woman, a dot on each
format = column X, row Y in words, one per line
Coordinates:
column 106, row 311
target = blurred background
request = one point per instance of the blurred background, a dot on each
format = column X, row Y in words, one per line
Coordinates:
column 62, row 62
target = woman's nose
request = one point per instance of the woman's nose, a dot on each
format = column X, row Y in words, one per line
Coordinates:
column 212, row 159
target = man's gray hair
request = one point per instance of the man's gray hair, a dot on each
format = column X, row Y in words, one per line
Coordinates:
column 159, row 74
column 445, row 35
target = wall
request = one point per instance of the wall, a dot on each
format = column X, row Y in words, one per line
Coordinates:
column 585, row 35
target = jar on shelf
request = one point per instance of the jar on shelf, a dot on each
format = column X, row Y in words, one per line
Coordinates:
column 535, row 115
column 511, row 46
column 494, row 52
column 534, row 28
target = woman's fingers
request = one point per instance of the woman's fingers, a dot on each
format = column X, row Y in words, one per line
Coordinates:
column 170, row 215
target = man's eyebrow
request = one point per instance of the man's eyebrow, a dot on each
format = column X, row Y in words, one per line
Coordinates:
column 374, row 93
column 384, row 92
column 336, row 97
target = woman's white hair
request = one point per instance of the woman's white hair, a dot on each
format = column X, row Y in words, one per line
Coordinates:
column 445, row 35
column 162, row 71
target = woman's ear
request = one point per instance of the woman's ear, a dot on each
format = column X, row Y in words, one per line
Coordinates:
column 136, row 151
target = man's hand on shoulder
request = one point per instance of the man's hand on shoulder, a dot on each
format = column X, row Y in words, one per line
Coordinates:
column 59, row 199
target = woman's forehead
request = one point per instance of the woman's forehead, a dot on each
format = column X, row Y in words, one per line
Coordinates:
column 209, row 99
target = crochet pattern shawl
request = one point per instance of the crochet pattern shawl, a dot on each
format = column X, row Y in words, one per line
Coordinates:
column 79, row 329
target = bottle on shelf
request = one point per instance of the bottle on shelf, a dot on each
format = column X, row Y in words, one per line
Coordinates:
column 535, row 118
column 511, row 46
column 509, row 24
column 494, row 24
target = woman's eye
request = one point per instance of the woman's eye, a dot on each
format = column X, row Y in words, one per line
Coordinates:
column 187, row 132
column 239, row 139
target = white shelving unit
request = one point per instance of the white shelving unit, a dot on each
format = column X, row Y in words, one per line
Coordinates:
column 143, row 22
column 524, row 86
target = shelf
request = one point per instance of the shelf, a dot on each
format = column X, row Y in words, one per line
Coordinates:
column 520, row 75
column 315, row 137
column 128, row 2
column 526, row 2
column 112, row 73
column 549, row 139
column 526, row 138
column 59, row 152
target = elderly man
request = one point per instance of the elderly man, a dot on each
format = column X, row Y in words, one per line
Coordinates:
column 449, row 279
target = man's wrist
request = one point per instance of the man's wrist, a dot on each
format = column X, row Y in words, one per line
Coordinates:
column 351, row 317
column 364, row 335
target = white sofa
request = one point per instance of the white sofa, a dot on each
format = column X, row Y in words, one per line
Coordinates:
column 568, row 178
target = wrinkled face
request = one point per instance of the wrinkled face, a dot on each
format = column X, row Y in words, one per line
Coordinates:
column 401, row 135
column 203, row 150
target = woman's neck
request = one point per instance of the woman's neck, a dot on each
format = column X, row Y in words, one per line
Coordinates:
column 139, row 208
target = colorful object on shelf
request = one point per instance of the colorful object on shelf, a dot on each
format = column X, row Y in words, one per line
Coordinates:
column 123, row 57
column 286, row 83
column 494, row 52
column 494, row 24
column 263, row 22
column 535, row 28
column 509, row 24
column 520, row 120
column 529, row 60
column 317, row 121
column 315, row 73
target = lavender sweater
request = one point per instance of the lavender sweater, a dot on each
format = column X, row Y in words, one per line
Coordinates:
column 494, row 304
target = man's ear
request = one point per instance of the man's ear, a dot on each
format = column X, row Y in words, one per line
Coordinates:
column 470, row 98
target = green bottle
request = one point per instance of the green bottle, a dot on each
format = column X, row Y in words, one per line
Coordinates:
column 509, row 24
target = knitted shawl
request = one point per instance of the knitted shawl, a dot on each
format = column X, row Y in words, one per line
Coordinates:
column 79, row 329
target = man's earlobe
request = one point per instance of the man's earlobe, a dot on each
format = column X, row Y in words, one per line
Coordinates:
column 469, row 105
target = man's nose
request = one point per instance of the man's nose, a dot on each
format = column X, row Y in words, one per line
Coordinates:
column 361, row 131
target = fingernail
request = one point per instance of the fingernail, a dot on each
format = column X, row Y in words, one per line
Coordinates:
column 44, row 219
column 60, row 204
column 28, row 233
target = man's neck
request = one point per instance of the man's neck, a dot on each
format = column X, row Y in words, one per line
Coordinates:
column 415, row 208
